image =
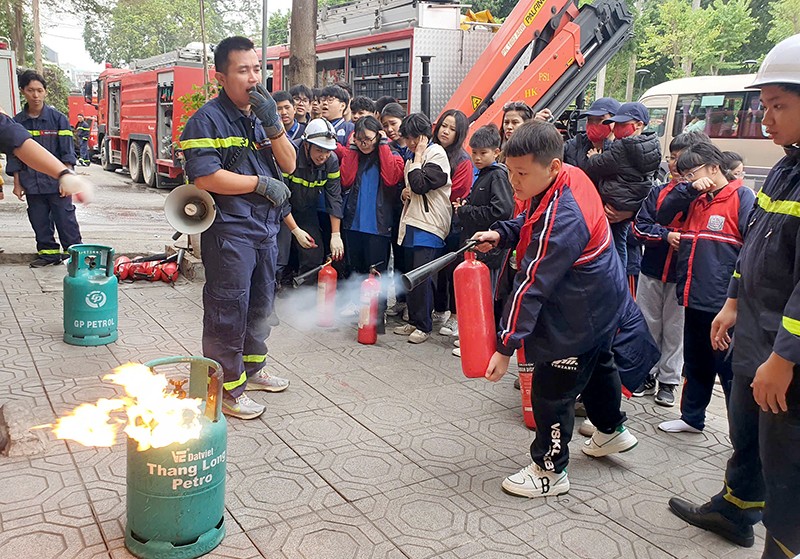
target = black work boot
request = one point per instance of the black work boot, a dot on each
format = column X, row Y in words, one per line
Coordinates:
column 714, row 521
column 42, row 262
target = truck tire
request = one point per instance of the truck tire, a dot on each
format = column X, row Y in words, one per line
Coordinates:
column 149, row 169
column 105, row 156
column 135, row 162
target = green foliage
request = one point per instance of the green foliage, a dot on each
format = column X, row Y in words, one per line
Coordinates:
column 141, row 28
column 58, row 87
column 785, row 19
column 279, row 27
column 499, row 8
column 196, row 99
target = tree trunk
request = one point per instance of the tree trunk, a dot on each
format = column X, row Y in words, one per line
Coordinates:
column 37, row 38
column 631, row 80
column 18, row 33
column 303, row 44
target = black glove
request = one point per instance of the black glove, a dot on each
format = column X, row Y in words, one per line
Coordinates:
column 266, row 110
column 273, row 190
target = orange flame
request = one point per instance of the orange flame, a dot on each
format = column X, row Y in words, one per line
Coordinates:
column 155, row 417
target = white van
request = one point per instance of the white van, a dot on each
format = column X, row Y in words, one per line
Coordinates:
column 721, row 107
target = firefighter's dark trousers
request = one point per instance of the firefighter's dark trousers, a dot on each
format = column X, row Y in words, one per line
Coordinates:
column 46, row 211
column 238, row 296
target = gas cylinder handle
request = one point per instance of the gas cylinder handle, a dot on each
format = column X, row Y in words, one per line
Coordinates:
column 110, row 263
column 201, row 383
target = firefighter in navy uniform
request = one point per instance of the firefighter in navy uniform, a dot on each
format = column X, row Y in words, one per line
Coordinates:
column 763, row 474
column 48, row 205
column 83, row 127
column 317, row 170
column 235, row 148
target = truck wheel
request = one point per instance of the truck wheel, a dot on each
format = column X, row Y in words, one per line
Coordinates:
column 148, row 166
column 135, row 162
column 105, row 156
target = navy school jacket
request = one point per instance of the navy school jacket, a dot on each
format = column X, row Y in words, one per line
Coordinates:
column 659, row 257
column 52, row 130
column 570, row 292
column 711, row 238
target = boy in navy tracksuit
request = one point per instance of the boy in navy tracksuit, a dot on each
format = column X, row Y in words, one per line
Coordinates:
column 568, row 301
column 656, row 293
column 716, row 210
column 47, row 207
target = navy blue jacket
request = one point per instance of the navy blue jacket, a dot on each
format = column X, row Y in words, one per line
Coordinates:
column 767, row 277
column 659, row 257
column 211, row 141
column 711, row 238
column 308, row 180
column 570, row 291
column 52, row 130
column 12, row 134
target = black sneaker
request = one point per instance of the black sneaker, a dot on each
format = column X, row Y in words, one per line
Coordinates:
column 666, row 395
column 647, row 388
column 516, row 383
column 42, row 262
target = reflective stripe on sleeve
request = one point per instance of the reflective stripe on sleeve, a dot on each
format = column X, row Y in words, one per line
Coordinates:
column 791, row 325
column 214, row 143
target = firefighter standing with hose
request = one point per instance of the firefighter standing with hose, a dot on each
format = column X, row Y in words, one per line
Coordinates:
column 236, row 149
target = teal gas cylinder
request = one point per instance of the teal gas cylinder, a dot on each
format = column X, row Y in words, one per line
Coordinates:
column 90, row 296
column 176, row 494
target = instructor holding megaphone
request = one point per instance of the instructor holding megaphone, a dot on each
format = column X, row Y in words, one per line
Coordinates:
column 236, row 149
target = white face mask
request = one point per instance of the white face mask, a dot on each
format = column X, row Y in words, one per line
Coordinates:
column 764, row 131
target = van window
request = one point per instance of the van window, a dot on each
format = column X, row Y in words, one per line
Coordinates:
column 751, row 116
column 716, row 114
column 658, row 121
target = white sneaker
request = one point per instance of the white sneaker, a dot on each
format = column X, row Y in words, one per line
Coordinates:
column 450, row 326
column 440, row 317
column 242, row 406
column 457, row 342
column 418, row 336
column 587, row 428
column 405, row 330
column 678, row 426
column 456, row 351
column 265, row 381
column 601, row 444
column 533, row 481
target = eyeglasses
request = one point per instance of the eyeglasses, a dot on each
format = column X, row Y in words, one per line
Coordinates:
column 301, row 99
column 516, row 106
column 366, row 141
column 689, row 176
column 739, row 175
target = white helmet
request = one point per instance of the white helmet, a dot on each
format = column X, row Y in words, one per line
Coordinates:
column 782, row 64
column 320, row 132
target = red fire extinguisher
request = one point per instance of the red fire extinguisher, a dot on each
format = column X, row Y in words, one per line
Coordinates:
column 368, row 314
column 476, row 326
column 326, row 296
column 525, row 389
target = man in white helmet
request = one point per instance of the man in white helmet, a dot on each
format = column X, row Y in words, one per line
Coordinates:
column 315, row 181
column 763, row 474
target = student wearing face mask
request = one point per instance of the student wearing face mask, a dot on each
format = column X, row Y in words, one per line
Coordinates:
column 598, row 136
column 625, row 172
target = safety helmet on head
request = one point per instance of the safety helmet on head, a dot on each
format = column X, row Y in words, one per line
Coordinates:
column 321, row 133
column 782, row 64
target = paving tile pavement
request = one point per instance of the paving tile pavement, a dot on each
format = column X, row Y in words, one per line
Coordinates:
column 379, row 452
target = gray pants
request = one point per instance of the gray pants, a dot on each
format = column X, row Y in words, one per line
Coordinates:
column 664, row 317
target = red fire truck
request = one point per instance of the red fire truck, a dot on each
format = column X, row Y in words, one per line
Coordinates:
column 139, row 112
column 9, row 90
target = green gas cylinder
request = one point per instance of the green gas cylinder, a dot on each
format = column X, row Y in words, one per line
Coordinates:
column 90, row 296
column 176, row 494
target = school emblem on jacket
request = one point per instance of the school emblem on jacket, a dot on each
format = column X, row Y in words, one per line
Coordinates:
column 716, row 222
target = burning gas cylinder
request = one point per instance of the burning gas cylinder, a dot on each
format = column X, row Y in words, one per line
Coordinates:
column 176, row 493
